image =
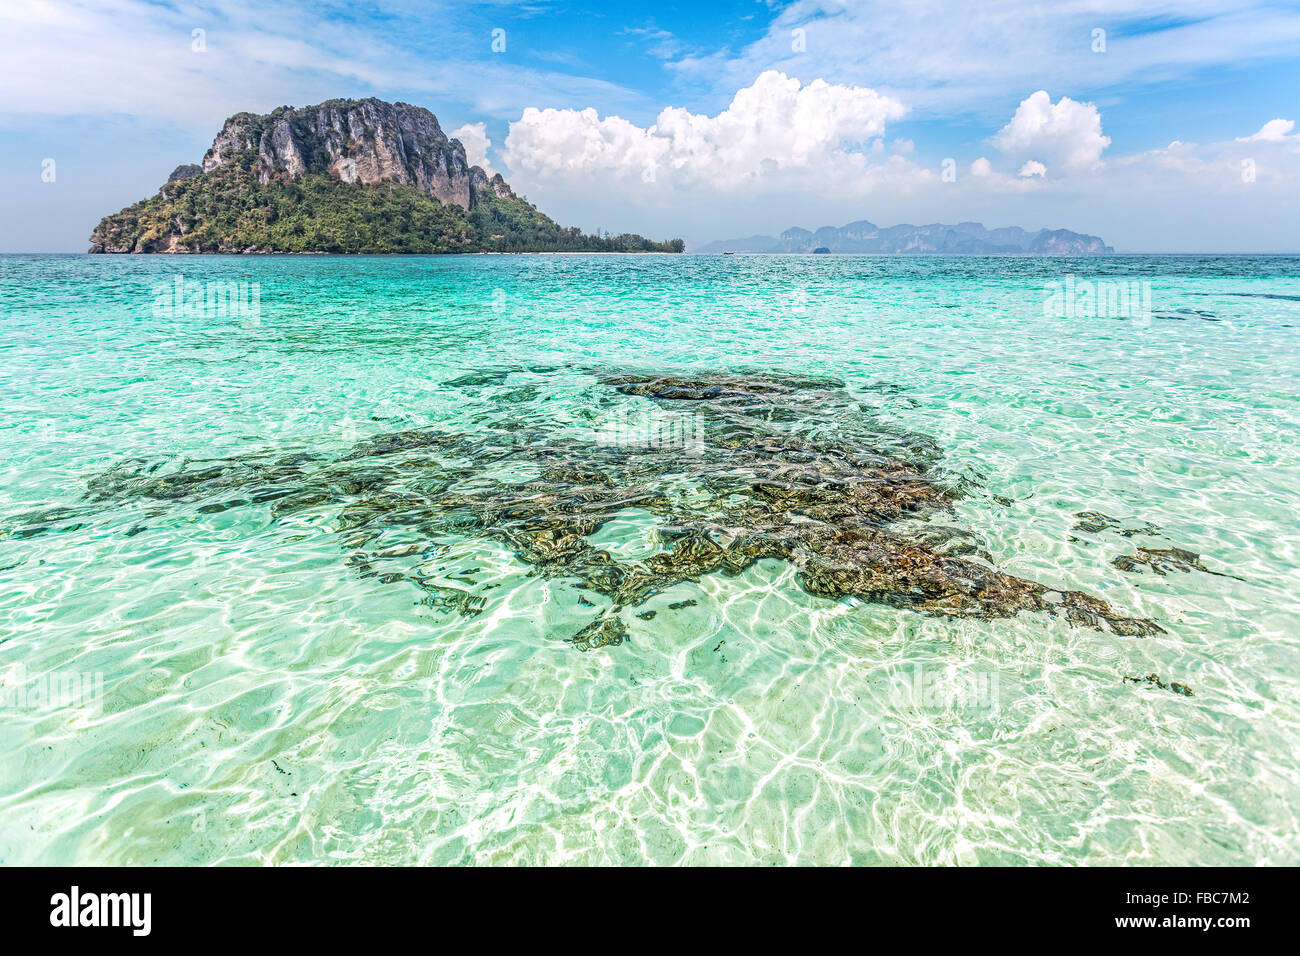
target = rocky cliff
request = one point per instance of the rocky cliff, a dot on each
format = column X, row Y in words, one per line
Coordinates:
column 366, row 141
column 965, row 238
column 342, row 176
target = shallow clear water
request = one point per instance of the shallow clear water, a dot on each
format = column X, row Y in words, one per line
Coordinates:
column 262, row 702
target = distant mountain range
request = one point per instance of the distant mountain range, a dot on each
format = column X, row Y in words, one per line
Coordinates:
column 968, row 238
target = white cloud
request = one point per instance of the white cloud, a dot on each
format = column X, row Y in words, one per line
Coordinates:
column 661, row 44
column 783, row 153
column 136, row 58
column 1066, row 133
column 474, row 137
column 775, row 130
column 1271, row 155
column 1274, row 131
column 562, row 143
column 943, row 57
column 988, row 181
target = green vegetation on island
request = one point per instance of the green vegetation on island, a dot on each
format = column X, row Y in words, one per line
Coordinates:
column 228, row 210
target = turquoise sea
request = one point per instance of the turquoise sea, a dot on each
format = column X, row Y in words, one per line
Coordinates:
column 203, row 674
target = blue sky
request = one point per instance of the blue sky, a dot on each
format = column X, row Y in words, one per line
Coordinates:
column 705, row 120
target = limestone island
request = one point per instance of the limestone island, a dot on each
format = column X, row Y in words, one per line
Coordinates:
column 346, row 176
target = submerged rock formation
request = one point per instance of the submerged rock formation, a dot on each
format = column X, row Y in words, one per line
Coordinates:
column 777, row 467
column 1164, row 560
column 1175, row 686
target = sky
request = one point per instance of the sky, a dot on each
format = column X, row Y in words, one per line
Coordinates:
column 1161, row 127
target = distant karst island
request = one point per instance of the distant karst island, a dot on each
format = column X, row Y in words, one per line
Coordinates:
column 965, row 238
column 345, row 176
